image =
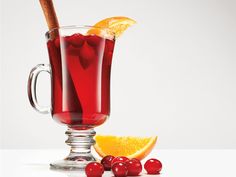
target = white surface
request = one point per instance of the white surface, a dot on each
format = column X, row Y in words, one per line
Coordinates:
column 176, row 163
column 173, row 74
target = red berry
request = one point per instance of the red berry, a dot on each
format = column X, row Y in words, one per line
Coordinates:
column 77, row 40
column 87, row 55
column 70, row 50
column 119, row 169
column 153, row 166
column 94, row 40
column 94, row 169
column 106, row 162
column 134, row 167
column 119, row 159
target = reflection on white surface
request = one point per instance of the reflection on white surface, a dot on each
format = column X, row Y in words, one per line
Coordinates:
column 70, row 174
column 176, row 163
column 106, row 174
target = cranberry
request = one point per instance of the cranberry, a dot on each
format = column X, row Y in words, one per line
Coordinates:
column 94, row 40
column 70, row 50
column 119, row 169
column 87, row 55
column 153, row 166
column 106, row 162
column 119, row 159
column 134, row 167
column 94, row 169
column 77, row 40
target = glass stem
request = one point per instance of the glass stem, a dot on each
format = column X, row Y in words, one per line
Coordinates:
column 80, row 142
column 80, row 154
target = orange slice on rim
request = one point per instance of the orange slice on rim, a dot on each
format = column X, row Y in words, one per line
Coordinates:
column 116, row 24
column 131, row 147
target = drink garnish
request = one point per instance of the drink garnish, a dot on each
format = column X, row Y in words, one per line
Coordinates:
column 131, row 147
column 116, row 24
column 50, row 15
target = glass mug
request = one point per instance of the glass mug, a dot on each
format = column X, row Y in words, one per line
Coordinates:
column 80, row 66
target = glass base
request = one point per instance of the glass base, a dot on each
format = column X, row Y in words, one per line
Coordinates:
column 70, row 165
column 80, row 155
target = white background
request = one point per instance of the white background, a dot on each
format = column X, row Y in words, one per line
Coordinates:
column 173, row 73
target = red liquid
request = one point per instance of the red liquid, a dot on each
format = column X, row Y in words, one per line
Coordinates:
column 81, row 68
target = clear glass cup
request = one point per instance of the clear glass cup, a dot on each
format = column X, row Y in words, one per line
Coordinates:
column 80, row 66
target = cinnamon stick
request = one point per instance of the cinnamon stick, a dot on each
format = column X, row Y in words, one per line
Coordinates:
column 50, row 15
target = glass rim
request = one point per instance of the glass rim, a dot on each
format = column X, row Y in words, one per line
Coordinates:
column 79, row 27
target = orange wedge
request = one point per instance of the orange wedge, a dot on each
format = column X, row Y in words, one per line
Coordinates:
column 131, row 147
column 116, row 24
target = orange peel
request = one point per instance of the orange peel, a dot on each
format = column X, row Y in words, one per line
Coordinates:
column 131, row 147
column 116, row 24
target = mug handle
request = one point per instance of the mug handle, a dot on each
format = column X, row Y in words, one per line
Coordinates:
column 32, row 80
